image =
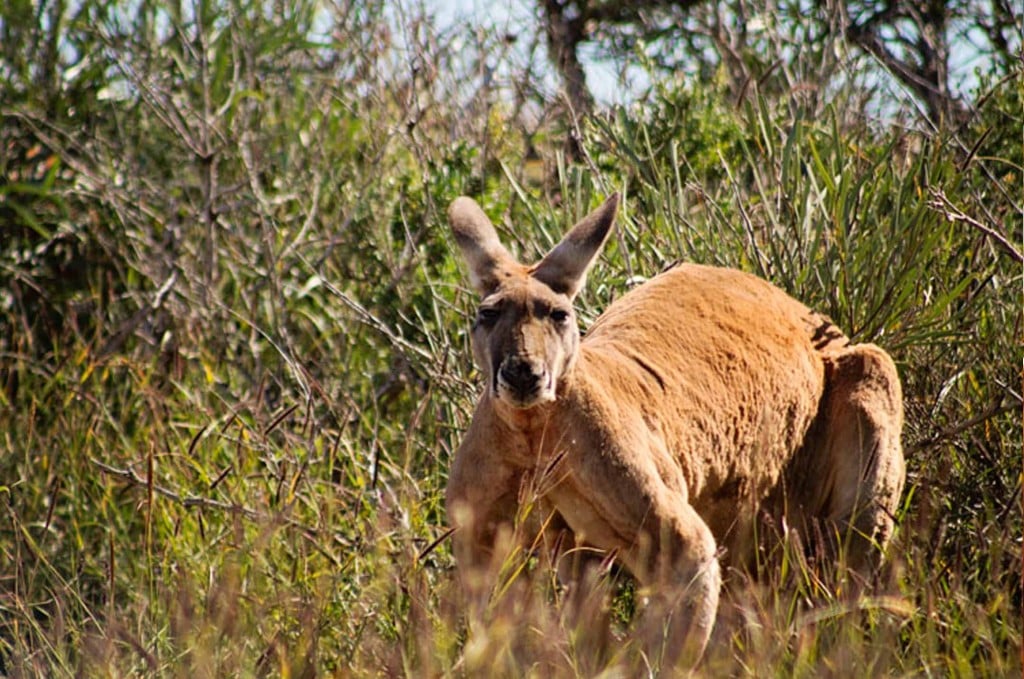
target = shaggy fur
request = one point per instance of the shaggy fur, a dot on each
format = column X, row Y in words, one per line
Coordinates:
column 696, row 402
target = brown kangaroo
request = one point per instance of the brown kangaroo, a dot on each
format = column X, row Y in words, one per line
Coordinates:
column 695, row 402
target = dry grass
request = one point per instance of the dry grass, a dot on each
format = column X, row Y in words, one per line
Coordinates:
column 234, row 360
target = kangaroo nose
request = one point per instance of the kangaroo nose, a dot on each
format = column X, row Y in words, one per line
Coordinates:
column 519, row 375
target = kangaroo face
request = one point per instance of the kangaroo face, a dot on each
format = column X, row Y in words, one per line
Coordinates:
column 524, row 340
column 525, row 336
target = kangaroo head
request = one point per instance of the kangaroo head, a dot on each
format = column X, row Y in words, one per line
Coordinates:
column 525, row 335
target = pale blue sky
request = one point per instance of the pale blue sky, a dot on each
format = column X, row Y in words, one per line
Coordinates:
column 516, row 16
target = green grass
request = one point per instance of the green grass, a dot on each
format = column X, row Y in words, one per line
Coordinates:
column 225, row 433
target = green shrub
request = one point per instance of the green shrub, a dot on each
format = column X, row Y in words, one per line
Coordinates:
column 234, row 360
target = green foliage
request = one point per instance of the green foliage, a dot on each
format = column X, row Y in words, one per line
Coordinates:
column 234, row 359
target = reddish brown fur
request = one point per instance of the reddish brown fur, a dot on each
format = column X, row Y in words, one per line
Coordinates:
column 696, row 400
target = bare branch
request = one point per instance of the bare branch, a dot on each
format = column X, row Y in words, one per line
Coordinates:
column 941, row 203
column 130, row 477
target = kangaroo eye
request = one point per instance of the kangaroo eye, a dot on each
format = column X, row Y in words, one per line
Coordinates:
column 559, row 315
column 488, row 315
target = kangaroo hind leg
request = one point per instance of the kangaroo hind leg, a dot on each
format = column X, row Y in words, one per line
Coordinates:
column 864, row 466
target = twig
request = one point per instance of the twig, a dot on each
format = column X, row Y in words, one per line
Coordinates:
column 367, row 318
column 995, row 410
column 134, row 479
column 941, row 203
column 191, row 501
column 433, row 545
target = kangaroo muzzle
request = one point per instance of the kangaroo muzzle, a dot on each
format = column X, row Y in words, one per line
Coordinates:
column 521, row 382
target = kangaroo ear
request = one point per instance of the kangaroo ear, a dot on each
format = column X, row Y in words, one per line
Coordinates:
column 564, row 269
column 486, row 256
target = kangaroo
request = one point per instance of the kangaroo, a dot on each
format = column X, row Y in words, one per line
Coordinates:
column 698, row 401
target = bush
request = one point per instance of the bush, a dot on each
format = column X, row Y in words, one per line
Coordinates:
column 234, row 354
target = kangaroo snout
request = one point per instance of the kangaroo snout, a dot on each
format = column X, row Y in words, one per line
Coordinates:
column 520, row 381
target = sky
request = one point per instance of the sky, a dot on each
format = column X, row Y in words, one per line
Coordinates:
column 603, row 76
column 513, row 16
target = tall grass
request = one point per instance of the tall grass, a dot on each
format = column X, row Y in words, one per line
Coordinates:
column 235, row 364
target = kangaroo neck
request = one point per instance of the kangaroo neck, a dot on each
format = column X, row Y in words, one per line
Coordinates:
column 524, row 421
column 533, row 435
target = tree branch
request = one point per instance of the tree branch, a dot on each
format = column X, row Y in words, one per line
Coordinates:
column 564, row 34
column 941, row 203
